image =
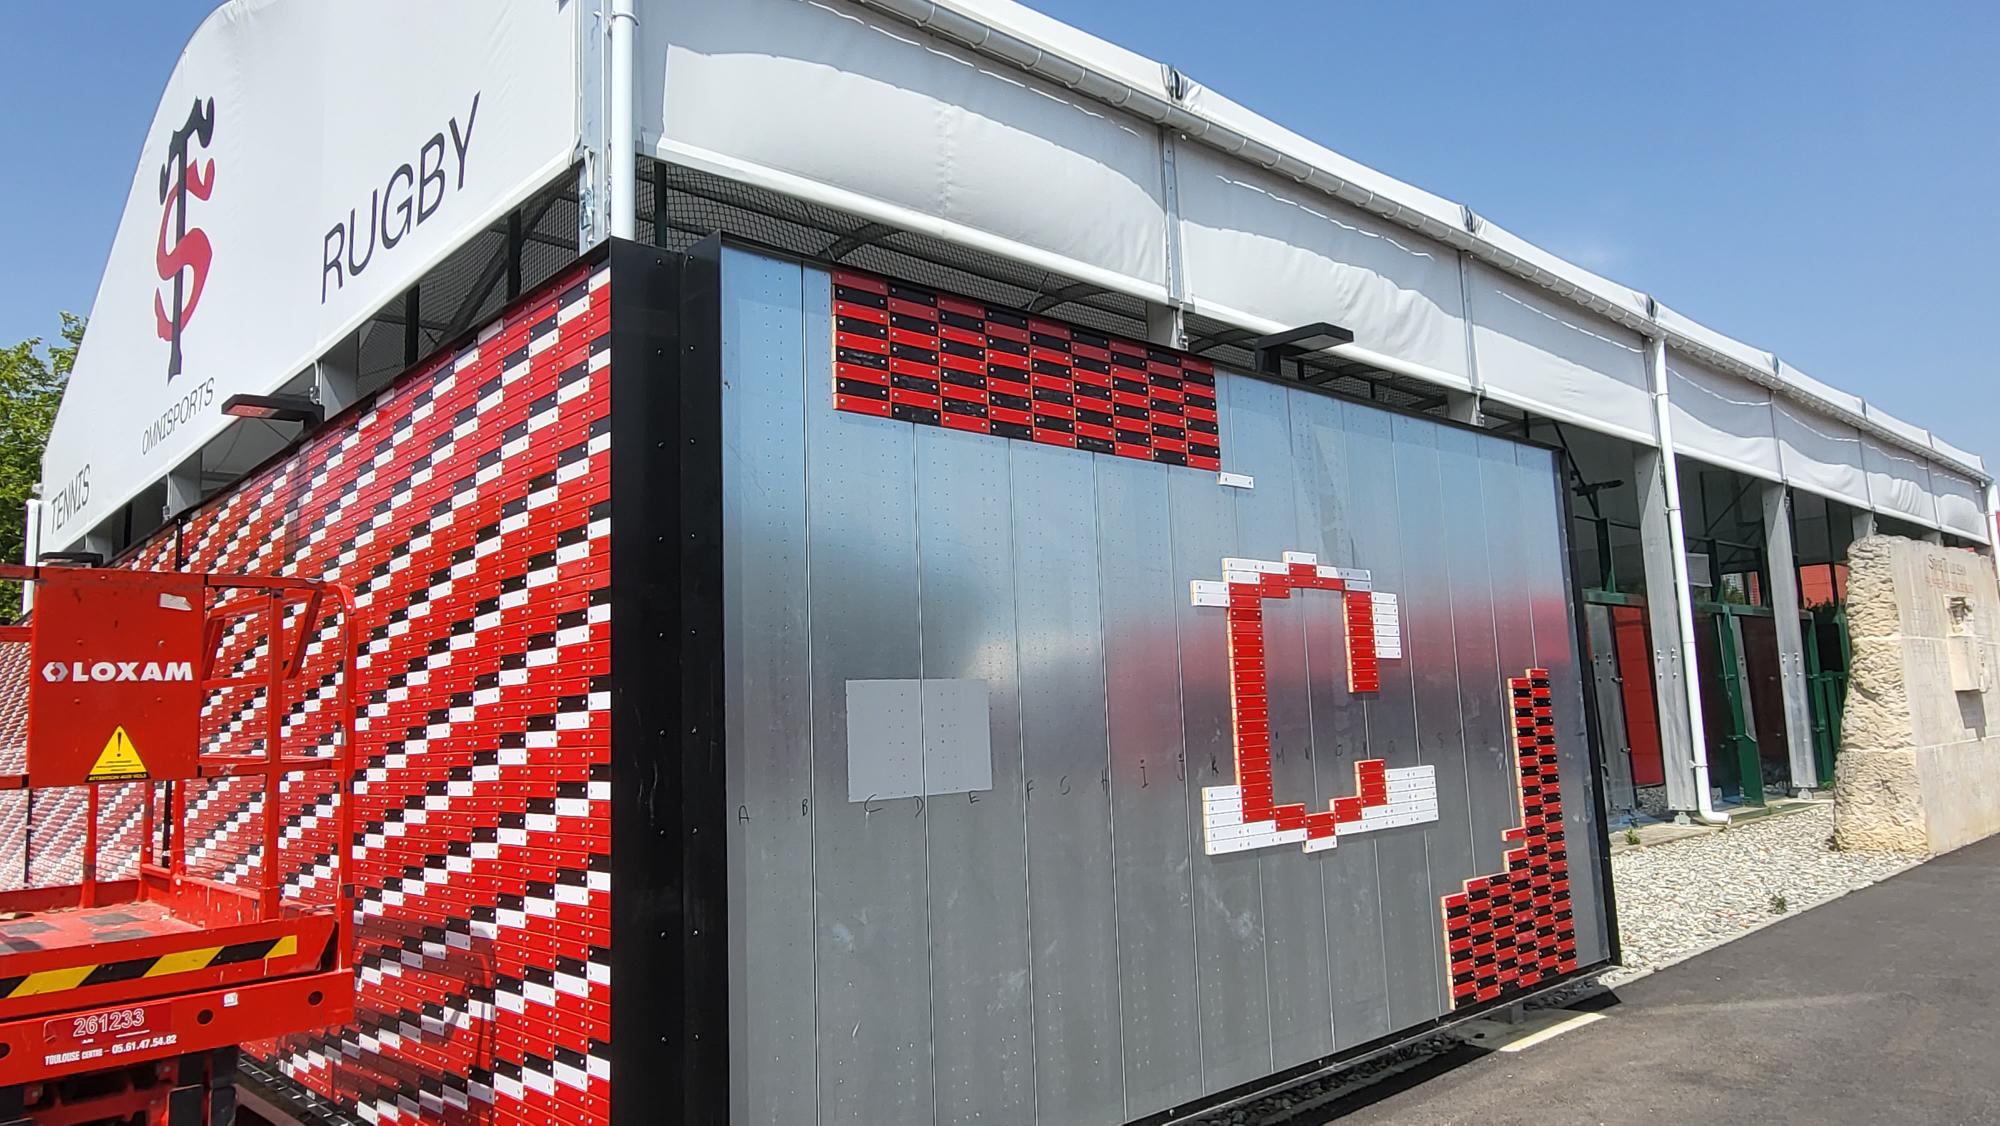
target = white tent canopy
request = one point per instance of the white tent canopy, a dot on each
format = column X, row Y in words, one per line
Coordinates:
column 1722, row 419
column 1552, row 358
column 977, row 122
column 1128, row 174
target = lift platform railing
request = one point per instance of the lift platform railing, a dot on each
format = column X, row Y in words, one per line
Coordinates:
column 202, row 727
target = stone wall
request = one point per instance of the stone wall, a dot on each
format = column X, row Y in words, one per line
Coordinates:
column 1919, row 766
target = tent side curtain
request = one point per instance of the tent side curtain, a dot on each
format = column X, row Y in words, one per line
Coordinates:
column 1549, row 357
column 1706, row 337
column 1212, row 105
column 1721, row 419
column 847, row 107
column 1898, row 482
column 1820, row 455
column 1907, row 431
column 1961, row 503
column 1953, row 453
column 849, row 101
column 1264, row 247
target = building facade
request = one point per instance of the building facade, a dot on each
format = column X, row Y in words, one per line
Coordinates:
column 331, row 199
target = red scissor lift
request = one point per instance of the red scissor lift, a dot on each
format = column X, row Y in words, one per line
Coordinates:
column 175, row 757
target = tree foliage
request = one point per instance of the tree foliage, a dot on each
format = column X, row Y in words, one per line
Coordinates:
column 32, row 379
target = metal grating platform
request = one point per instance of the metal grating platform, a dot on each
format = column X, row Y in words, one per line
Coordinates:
column 87, row 926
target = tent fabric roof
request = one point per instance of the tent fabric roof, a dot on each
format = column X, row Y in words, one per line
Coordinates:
column 980, row 124
column 1011, row 32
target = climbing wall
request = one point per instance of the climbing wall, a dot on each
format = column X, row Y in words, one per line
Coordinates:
column 467, row 509
column 907, row 352
column 1510, row 931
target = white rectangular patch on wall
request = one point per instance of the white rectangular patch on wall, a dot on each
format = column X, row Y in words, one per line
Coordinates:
column 907, row 738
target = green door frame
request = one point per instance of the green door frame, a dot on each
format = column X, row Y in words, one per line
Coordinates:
column 1829, row 694
column 1738, row 742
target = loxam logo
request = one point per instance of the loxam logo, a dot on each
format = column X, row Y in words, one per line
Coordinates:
column 106, row 672
column 184, row 254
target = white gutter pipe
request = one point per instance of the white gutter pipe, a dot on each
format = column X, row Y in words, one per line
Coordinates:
column 623, row 140
column 31, row 549
column 1663, row 421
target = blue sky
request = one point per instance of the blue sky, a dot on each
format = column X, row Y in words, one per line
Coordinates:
column 1814, row 178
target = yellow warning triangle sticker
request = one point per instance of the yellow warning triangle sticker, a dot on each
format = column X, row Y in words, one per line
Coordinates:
column 119, row 761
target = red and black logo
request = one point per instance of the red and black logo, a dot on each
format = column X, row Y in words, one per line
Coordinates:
column 184, row 254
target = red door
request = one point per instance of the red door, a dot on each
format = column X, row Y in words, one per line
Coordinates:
column 1635, row 671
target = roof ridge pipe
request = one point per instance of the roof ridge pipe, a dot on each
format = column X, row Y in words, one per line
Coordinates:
column 1705, row 811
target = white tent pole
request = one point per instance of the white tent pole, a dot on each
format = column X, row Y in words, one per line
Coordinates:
column 623, row 140
column 1705, row 810
column 31, row 549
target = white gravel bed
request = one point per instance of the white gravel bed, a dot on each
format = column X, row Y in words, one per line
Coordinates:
column 1680, row 898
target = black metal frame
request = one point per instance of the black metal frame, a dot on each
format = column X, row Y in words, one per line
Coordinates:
column 1268, row 353
column 669, row 862
column 1593, row 729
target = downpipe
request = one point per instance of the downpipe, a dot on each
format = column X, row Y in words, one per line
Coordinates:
column 31, row 547
column 623, row 139
column 1704, row 811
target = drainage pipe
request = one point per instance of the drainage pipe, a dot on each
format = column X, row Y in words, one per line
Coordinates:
column 31, row 548
column 623, row 140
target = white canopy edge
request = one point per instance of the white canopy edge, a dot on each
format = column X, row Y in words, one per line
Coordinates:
column 1237, row 237
column 903, row 218
column 1008, row 32
column 1354, row 352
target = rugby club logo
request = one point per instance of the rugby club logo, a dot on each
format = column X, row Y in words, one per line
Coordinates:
column 184, row 254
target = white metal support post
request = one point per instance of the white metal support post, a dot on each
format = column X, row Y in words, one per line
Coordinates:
column 183, row 486
column 31, row 548
column 1464, row 406
column 101, row 543
column 337, row 376
column 1663, row 627
column 1783, row 568
column 1166, row 325
column 622, row 137
column 593, row 189
column 1681, row 595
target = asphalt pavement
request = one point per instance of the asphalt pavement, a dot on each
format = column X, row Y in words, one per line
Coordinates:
column 1880, row 1007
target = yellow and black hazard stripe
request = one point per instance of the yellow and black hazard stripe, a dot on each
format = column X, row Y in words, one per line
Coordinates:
column 164, row 965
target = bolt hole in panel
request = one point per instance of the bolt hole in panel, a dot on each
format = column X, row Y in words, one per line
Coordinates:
column 1214, row 840
column 467, row 508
